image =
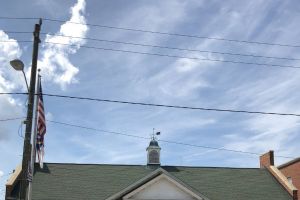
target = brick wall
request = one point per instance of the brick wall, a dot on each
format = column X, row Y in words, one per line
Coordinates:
column 293, row 171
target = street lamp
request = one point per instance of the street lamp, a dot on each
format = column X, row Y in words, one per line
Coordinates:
column 18, row 65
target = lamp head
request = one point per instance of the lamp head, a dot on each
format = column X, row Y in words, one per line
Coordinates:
column 17, row 64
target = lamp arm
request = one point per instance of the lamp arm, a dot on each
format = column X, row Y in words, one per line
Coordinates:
column 25, row 80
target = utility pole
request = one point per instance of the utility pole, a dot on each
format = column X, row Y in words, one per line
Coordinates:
column 33, row 148
column 27, row 147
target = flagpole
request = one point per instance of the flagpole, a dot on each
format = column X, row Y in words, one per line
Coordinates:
column 33, row 146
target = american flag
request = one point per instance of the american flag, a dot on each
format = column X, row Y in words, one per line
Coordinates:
column 41, row 127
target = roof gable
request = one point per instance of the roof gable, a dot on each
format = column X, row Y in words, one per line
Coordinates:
column 153, row 177
column 162, row 187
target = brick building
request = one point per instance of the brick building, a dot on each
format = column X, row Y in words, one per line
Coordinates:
column 291, row 170
column 288, row 174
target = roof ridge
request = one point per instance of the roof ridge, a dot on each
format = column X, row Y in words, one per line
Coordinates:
column 138, row 165
column 56, row 163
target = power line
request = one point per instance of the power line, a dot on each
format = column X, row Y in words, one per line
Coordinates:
column 173, row 106
column 25, row 18
column 174, row 34
column 165, row 141
column 185, row 57
column 23, row 41
column 217, row 148
column 156, row 32
column 99, row 130
column 17, row 32
column 11, row 119
column 175, row 48
column 11, row 93
column 158, row 46
column 160, row 105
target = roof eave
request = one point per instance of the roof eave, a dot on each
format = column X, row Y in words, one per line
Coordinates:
column 289, row 163
column 14, row 176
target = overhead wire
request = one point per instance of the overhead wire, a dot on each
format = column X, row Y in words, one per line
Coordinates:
column 219, row 148
column 16, row 93
column 23, row 41
column 23, row 18
column 176, row 56
column 156, row 46
column 11, row 119
column 158, row 105
column 17, row 32
column 183, row 57
column 94, row 129
column 161, row 140
column 173, row 34
column 142, row 137
column 173, row 48
column 161, row 105
column 153, row 32
column 172, row 106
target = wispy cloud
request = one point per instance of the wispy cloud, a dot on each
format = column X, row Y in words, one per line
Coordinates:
column 269, row 132
column 171, row 81
column 55, row 62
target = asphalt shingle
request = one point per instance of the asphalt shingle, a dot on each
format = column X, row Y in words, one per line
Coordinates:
column 97, row 181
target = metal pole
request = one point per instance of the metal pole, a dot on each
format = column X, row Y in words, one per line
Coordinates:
column 33, row 142
column 26, row 147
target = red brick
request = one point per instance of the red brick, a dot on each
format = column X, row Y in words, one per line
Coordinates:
column 267, row 159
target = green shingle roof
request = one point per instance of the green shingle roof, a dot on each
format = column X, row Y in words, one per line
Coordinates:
column 93, row 181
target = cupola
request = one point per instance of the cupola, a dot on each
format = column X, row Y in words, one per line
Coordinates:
column 153, row 152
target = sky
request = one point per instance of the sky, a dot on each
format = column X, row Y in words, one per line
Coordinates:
column 78, row 71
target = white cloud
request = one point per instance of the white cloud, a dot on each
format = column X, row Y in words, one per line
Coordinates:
column 9, row 80
column 1, row 173
column 55, row 62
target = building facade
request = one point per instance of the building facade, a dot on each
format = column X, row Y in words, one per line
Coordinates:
column 283, row 174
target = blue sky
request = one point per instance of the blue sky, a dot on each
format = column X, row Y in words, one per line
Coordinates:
column 80, row 71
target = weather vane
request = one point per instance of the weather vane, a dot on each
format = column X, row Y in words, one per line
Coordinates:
column 154, row 134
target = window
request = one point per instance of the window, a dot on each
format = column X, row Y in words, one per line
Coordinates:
column 289, row 179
